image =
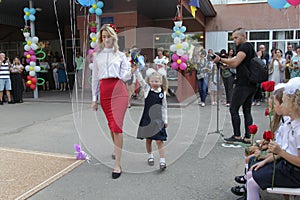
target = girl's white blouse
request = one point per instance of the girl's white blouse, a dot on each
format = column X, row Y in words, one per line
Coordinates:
column 109, row 64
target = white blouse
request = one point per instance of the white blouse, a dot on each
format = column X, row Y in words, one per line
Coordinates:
column 146, row 88
column 109, row 64
column 291, row 137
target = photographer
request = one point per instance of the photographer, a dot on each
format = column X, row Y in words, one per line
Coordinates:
column 5, row 83
column 244, row 89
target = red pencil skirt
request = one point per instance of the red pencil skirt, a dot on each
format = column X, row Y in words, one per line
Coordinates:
column 114, row 102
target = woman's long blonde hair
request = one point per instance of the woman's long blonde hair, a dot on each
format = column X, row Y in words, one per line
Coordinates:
column 111, row 32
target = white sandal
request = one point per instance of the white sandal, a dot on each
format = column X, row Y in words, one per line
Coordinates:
column 150, row 161
column 162, row 166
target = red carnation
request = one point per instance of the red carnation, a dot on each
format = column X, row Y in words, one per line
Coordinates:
column 267, row 112
column 296, row 63
column 268, row 86
column 268, row 135
column 252, row 129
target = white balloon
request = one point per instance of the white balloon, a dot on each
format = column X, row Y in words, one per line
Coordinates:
column 34, row 46
column 27, row 67
column 93, row 44
column 32, row 73
column 180, row 52
column 37, row 68
column 32, row 63
column 177, row 40
column 35, row 39
column 91, row 65
column 173, row 47
column 27, row 47
column 92, row 35
column 185, row 45
column 26, row 34
column 178, row 23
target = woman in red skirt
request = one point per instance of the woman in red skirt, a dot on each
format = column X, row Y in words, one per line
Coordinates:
column 110, row 71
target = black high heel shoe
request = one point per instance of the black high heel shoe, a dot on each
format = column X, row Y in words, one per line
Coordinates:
column 116, row 175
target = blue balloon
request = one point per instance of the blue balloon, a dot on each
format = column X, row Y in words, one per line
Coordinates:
column 98, row 11
column 182, row 29
column 277, row 4
column 26, row 9
column 174, row 35
column 175, row 28
column 92, row 10
column 26, row 17
column 141, row 60
column 100, row 4
column 32, row 11
column 32, row 18
column 87, row 2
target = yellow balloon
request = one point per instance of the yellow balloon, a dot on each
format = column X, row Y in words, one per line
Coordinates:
column 31, row 68
column 94, row 6
column 178, row 46
column 94, row 39
column 179, row 61
column 178, row 32
column 29, row 82
column 27, row 13
column 28, row 56
column 29, row 42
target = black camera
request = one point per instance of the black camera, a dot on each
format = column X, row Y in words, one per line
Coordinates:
column 212, row 56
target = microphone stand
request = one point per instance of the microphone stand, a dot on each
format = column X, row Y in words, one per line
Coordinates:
column 218, row 131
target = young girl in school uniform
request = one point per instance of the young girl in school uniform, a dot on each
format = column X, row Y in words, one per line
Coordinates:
column 154, row 121
column 287, row 154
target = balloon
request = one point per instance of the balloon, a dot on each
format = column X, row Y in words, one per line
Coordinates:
column 32, row 73
column 173, row 47
column 26, row 34
column 177, row 40
column 86, row 2
column 32, row 86
column 175, row 57
column 178, row 23
column 98, row 11
column 26, row 10
column 90, row 51
column 100, row 4
column 185, row 45
column 32, row 63
column 93, row 44
column 27, row 47
column 37, row 68
column 294, row 2
column 180, row 52
column 287, row 5
column 33, row 58
column 26, row 17
column 28, row 60
column 182, row 66
column 174, row 65
column 29, row 77
column 32, row 18
column 35, row 39
column 32, row 11
column 92, row 10
column 34, row 46
column 29, row 82
column 277, row 4
column 33, row 80
column 27, row 69
column 182, row 29
column 184, row 58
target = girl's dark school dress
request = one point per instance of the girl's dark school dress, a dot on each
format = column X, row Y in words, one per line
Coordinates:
column 152, row 125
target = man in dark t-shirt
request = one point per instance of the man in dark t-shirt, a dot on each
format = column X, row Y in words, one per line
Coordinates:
column 244, row 89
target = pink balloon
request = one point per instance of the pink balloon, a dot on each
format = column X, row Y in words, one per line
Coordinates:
column 26, row 53
column 175, row 57
column 174, row 65
column 31, row 52
column 90, row 52
column 28, row 60
column 184, row 58
column 33, row 58
column 294, row 2
column 182, row 66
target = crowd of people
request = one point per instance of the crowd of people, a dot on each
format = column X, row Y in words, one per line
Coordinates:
column 13, row 76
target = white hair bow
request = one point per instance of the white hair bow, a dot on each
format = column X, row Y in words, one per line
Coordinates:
column 161, row 71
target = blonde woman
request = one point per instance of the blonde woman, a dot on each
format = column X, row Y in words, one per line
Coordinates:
column 110, row 72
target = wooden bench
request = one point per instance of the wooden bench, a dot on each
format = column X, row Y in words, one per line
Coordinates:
column 292, row 192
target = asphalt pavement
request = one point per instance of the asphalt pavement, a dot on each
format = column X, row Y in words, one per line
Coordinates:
column 198, row 167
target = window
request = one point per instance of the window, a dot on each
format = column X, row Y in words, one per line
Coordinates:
column 281, row 35
column 259, row 35
column 298, row 34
